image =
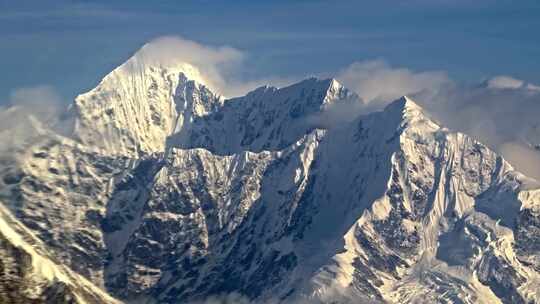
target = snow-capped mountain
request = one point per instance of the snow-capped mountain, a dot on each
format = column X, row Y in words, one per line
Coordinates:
column 169, row 193
column 137, row 106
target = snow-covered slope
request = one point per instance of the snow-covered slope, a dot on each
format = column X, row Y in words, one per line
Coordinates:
column 59, row 189
column 445, row 227
column 136, row 106
column 28, row 274
column 172, row 194
column 266, row 118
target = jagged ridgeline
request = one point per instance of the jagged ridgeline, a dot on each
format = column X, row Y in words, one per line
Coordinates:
column 169, row 193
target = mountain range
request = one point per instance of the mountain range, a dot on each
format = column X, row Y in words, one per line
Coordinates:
column 163, row 191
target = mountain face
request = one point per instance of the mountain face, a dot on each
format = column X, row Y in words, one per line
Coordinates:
column 136, row 107
column 29, row 275
column 169, row 193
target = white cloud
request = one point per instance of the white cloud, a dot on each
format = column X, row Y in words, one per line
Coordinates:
column 524, row 158
column 377, row 81
column 26, row 106
column 504, row 82
column 169, row 50
column 41, row 101
column 533, row 87
column 211, row 62
column 221, row 67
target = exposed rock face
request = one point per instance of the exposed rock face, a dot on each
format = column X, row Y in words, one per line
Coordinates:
column 173, row 194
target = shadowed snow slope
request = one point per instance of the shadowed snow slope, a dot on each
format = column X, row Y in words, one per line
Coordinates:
column 171, row 194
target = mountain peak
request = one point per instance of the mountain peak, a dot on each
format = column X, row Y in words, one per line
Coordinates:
column 136, row 106
column 405, row 102
column 315, row 83
column 334, row 84
column 138, row 65
column 410, row 115
column 404, row 106
column 335, row 88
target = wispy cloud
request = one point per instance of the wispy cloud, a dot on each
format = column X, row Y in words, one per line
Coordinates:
column 42, row 101
column 221, row 67
column 25, row 107
column 377, row 81
column 504, row 82
column 502, row 113
column 523, row 157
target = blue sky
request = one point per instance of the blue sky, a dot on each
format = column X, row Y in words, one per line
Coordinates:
column 70, row 45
